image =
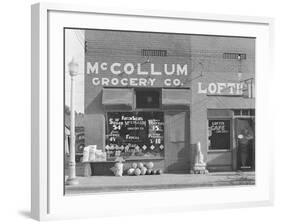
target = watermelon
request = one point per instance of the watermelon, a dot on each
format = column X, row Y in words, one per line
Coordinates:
column 159, row 171
column 148, row 172
column 134, row 165
column 149, row 165
column 154, row 172
column 130, row 171
column 137, row 172
column 143, row 171
column 140, row 165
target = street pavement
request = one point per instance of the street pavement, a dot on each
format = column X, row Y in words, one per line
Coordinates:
column 97, row 184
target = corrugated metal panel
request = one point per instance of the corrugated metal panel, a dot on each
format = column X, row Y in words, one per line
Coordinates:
column 219, row 113
column 114, row 96
column 178, row 97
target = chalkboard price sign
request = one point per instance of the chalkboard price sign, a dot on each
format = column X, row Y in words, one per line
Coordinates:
column 219, row 134
column 135, row 134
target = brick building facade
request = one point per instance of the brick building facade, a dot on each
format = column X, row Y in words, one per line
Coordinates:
column 153, row 96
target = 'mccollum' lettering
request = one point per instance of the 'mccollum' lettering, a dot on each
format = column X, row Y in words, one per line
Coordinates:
column 117, row 68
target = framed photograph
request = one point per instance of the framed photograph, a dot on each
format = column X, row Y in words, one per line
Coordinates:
column 163, row 109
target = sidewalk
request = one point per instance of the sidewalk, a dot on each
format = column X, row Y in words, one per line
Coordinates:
column 95, row 184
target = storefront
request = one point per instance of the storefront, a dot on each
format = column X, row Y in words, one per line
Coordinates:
column 153, row 96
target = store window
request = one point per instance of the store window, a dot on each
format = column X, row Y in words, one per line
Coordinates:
column 219, row 134
column 135, row 134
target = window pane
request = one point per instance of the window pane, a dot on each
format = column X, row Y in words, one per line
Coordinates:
column 147, row 99
column 237, row 112
column 252, row 112
column 135, row 134
column 219, row 134
column 245, row 112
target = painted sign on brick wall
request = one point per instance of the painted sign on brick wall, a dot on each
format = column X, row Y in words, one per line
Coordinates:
column 132, row 74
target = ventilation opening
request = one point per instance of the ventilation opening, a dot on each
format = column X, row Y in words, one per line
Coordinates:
column 151, row 52
column 236, row 56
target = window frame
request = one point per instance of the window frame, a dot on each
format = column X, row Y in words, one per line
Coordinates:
column 158, row 157
column 159, row 108
column 230, row 134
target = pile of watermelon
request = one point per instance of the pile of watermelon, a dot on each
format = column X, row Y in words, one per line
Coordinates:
column 137, row 169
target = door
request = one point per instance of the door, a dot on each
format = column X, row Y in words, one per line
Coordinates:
column 245, row 140
column 177, row 132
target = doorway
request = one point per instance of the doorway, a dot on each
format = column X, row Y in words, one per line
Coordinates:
column 245, row 140
column 177, row 132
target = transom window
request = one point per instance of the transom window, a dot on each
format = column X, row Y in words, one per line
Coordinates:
column 244, row 112
column 147, row 98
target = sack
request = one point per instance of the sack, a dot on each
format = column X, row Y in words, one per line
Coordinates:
column 96, row 154
column 85, row 154
column 100, row 155
column 92, row 152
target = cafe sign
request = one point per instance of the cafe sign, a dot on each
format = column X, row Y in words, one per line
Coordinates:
column 220, row 88
column 117, row 74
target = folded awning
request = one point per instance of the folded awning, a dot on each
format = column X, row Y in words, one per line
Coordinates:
column 112, row 97
column 176, row 97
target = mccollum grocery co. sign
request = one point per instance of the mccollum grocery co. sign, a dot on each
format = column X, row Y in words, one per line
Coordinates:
column 173, row 75
column 118, row 74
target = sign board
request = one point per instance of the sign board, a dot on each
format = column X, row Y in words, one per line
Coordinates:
column 219, row 134
column 137, row 74
column 220, row 88
column 135, row 134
